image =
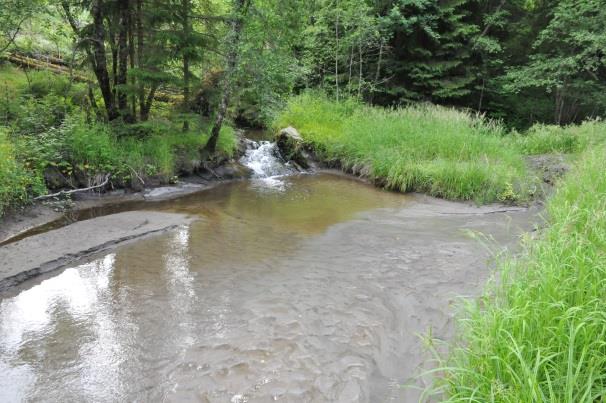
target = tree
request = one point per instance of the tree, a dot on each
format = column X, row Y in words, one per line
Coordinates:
column 134, row 51
column 568, row 61
column 13, row 14
column 236, row 22
column 341, row 44
column 430, row 50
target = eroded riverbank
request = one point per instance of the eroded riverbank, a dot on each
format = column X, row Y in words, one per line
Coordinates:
column 312, row 288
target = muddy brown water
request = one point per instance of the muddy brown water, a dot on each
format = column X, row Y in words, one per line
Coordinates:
column 304, row 289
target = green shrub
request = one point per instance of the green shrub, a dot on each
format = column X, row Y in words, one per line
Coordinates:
column 16, row 183
column 40, row 84
column 95, row 148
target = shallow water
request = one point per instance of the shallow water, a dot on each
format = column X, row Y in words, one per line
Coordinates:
column 305, row 288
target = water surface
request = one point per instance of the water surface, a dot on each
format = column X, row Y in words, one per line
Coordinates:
column 309, row 288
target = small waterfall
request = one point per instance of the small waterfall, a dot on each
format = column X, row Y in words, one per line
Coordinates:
column 265, row 160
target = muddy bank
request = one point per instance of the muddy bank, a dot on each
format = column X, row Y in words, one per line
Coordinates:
column 41, row 217
column 43, row 253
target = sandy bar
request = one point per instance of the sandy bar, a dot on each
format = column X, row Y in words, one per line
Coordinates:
column 52, row 250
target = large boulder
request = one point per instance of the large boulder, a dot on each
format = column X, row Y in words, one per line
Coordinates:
column 291, row 146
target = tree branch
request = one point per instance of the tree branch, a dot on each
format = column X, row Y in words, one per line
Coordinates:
column 70, row 192
column 11, row 40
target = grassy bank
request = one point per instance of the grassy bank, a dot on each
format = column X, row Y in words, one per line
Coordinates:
column 540, row 334
column 439, row 151
column 48, row 139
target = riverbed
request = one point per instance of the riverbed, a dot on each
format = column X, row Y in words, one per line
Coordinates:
column 301, row 288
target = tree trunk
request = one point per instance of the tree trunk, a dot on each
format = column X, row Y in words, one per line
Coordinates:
column 337, row 52
column 147, row 103
column 141, row 59
column 186, row 5
column 351, row 56
column 131, row 56
column 237, row 22
column 96, row 53
column 114, row 52
column 99, row 57
column 377, row 72
column 360, row 70
column 123, row 60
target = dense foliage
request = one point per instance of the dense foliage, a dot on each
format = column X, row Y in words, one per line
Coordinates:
column 50, row 140
column 524, row 61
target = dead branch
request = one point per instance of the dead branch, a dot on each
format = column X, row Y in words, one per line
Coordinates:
column 70, row 192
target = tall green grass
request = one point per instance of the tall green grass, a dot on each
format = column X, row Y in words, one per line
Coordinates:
column 547, row 139
column 540, row 334
column 425, row 148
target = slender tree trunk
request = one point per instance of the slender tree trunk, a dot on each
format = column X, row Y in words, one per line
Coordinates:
column 337, row 52
column 95, row 51
column 377, row 72
column 360, row 70
column 481, row 95
column 93, row 102
column 147, row 103
column 557, row 114
column 237, row 22
column 122, row 79
column 140, row 58
column 99, row 57
column 186, row 5
column 114, row 52
column 351, row 56
column 132, row 59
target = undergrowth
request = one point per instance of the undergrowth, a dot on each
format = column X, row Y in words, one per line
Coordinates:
column 50, row 137
column 16, row 183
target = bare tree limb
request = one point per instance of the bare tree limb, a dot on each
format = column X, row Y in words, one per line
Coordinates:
column 70, row 192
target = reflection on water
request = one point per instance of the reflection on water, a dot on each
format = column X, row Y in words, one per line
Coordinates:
column 265, row 298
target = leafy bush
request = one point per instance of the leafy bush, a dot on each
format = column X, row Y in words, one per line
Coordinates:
column 43, row 83
column 94, row 148
column 16, row 183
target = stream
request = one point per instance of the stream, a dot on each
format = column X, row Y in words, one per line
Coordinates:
column 289, row 287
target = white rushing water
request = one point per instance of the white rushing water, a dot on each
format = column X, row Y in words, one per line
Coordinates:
column 266, row 163
column 265, row 160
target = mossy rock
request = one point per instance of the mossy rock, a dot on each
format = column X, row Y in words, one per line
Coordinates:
column 291, row 146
